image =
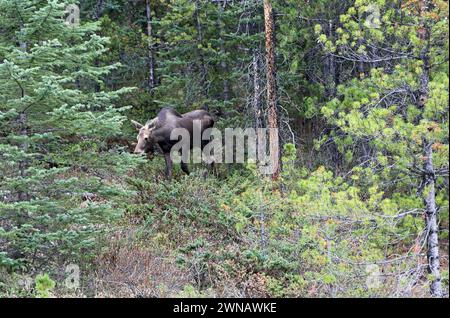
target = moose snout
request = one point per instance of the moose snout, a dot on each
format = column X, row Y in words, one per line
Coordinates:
column 138, row 150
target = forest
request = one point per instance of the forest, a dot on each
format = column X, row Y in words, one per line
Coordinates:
column 354, row 92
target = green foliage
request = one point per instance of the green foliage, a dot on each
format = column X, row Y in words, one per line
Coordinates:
column 321, row 232
column 352, row 158
column 55, row 128
column 380, row 112
column 44, row 286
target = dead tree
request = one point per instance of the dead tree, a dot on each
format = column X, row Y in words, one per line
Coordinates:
column 428, row 174
column 272, row 120
column 150, row 49
column 201, row 62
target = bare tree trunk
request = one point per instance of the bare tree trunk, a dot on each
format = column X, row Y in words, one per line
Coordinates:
column 431, row 222
column 360, row 67
column 150, row 49
column 330, row 68
column 428, row 177
column 202, row 67
column 271, row 86
column 224, row 67
column 97, row 15
column 256, row 103
column 223, row 64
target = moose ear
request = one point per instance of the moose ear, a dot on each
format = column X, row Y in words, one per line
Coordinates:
column 136, row 124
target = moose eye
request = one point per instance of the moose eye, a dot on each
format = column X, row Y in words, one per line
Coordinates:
column 146, row 138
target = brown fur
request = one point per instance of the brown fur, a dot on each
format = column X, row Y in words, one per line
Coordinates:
column 156, row 132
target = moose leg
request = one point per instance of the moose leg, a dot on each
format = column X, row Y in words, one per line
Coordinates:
column 184, row 167
column 168, row 165
column 183, row 163
column 210, row 159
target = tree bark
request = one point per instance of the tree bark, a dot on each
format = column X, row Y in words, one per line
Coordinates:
column 150, row 49
column 97, row 15
column 431, row 222
column 223, row 63
column 271, row 86
column 256, row 103
column 203, row 73
column 330, row 68
column 428, row 176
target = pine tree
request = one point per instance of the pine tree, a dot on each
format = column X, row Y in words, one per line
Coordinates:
column 394, row 117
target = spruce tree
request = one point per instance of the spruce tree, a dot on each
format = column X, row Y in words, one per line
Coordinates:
column 59, row 174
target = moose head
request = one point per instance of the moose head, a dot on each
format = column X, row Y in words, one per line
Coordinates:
column 145, row 138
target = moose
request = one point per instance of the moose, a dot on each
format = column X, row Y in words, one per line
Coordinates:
column 157, row 133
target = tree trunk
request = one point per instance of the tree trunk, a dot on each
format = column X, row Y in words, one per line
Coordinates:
column 428, row 177
column 256, row 103
column 202, row 68
column 223, row 63
column 431, row 222
column 150, row 52
column 330, row 68
column 97, row 15
column 271, row 86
